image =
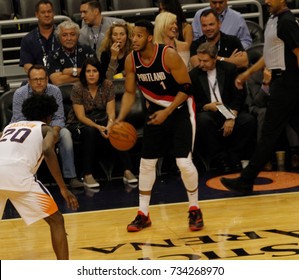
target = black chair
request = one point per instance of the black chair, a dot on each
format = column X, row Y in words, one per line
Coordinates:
column 6, row 108
column 26, row 8
column 256, row 32
column 6, row 9
column 130, row 4
column 255, row 52
column 72, row 7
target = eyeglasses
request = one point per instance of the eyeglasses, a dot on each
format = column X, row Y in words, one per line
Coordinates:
column 36, row 80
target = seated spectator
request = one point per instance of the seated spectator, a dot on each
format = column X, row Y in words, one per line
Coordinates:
column 95, row 25
column 232, row 22
column 229, row 47
column 38, row 84
column 185, row 32
column 257, row 100
column 115, row 46
column 92, row 116
column 220, row 139
column 64, row 64
column 39, row 42
column 165, row 32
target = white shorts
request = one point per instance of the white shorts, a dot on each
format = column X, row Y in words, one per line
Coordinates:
column 32, row 205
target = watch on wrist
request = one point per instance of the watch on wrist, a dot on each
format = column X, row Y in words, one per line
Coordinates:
column 222, row 59
column 75, row 72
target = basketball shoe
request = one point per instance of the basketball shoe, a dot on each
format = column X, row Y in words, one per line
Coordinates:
column 141, row 221
column 195, row 219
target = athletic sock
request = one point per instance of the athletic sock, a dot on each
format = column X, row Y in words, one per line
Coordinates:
column 144, row 201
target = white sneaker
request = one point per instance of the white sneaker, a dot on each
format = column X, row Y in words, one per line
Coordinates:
column 90, row 182
column 129, row 178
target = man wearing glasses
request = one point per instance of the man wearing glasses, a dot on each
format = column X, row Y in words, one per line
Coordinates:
column 232, row 23
column 38, row 84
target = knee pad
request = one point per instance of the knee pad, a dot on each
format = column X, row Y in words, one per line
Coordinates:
column 147, row 175
column 188, row 172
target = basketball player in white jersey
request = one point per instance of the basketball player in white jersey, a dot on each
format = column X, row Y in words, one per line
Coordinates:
column 23, row 145
column 163, row 79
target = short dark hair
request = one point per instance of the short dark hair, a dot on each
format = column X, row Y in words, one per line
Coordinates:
column 39, row 107
column 36, row 8
column 37, row 67
column 205, row 13
column 95, row 63
column 146, row 24
column 93, row 4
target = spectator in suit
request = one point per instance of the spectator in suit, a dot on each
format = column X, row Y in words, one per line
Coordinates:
column 222, row 140
column 95, row 25
column 232, row 22
column 230, row 48
column 64, row 64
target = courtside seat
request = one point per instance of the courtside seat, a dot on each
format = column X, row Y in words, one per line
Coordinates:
column 136, row 117
column 6, row 108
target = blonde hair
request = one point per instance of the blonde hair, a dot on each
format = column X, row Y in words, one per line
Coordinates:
column 162, row 20
column 107, row 41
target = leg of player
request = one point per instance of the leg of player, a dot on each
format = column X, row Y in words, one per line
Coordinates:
column 58, row 235
column 190, row 179
column 147, row 179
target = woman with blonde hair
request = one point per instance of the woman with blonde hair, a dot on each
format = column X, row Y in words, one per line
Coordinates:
column 166, row 32
column 185, row 32
column 115, row 46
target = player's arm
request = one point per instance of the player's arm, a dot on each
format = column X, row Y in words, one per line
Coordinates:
column 260, row 64
column 296, row 52
column 180, row 73
column 128, row 98
column 53, row 165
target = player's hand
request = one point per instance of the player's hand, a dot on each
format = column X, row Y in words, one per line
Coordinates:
column 240, row 80
column 158, row 117
column 70, row 199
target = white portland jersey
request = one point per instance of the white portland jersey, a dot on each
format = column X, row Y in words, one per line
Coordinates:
column 20, row 154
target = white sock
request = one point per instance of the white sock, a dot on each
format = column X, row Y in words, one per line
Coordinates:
column 193, row 198
column 144, row 201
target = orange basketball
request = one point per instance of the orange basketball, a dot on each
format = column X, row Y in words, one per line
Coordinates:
column 123, row 136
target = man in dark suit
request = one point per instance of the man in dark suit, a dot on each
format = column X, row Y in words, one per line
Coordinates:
column 220, row 139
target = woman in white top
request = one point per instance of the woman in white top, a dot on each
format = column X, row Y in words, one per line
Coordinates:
column 166, row 32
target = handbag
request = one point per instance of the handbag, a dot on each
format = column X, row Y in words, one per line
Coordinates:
column 97, row 116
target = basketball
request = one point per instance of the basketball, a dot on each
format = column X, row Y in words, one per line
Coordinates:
column 123, row 136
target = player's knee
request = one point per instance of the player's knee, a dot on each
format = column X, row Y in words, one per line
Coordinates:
column 55, row 219
column 185, row 164
column 148, row 165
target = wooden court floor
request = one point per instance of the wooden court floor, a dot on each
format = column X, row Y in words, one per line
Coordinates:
column 260, row 227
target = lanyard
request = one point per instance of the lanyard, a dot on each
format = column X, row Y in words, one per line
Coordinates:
column 45, row 55
column 214, row 89
column 96, row 36
column 73, row 60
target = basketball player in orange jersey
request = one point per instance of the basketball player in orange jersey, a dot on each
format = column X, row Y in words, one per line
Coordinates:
column 163, row 79
column 22, row 148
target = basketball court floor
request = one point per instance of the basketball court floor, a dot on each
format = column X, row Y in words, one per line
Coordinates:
column 261, row 226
